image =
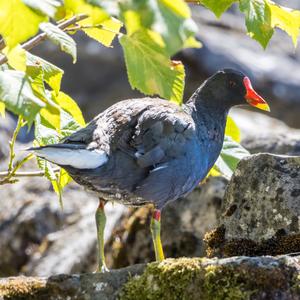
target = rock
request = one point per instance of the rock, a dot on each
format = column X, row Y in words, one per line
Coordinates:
column 281, row 143
column 261, row 133
column 7, row 126
column 183, row 225
column 260, row 214
column 260, row 278
column 38, row 238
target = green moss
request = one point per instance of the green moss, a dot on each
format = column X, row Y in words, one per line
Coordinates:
column 224, row 284
column 186, row 278
column 170, row 279
column 281, row 243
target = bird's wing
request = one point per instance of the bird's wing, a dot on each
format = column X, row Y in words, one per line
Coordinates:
column 76, row 150
column 161, row 134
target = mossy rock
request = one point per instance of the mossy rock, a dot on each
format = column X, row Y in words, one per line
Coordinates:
column 184, row 278
column 199, row 278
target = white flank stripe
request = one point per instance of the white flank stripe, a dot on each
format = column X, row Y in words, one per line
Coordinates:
column 80, row 159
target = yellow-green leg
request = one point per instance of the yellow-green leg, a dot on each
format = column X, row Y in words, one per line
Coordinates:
column 100, row 223
column 155, row 231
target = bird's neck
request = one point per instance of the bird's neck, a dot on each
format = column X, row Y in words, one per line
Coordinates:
column 208, row 111
column 210, row 120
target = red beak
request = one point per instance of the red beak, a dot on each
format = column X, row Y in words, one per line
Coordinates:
column 253, row 98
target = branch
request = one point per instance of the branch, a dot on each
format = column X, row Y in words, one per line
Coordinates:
column 2, row 44
column 27, row 174
column 42, row 36
column 11, row 174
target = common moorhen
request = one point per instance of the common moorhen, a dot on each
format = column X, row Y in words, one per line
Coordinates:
column 151, row 150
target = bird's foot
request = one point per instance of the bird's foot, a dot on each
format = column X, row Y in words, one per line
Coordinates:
column 102, row 269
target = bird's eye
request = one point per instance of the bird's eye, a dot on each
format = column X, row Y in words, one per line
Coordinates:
column 232, row 83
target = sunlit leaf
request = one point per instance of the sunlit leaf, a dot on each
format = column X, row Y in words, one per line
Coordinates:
column 52, row 74
column 46, row 7
column 66, row 103
column 149, row 68
column 96, row 13
column 170, row 19
column 286, row 19
column 17, row 94
column 18, row 22
column 44, row 132
column 16, row 57
column 258, row 20
column 218, row 7
column 2, row 109
column 36, row 78
column 52, row 115
column 232, row 130
column 108, row 32
column 60, row 38
column 231, row 154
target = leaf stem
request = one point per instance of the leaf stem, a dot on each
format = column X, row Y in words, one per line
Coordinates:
column 42, row 36
column 27, row 174
column 12, row 143
column 80, row 27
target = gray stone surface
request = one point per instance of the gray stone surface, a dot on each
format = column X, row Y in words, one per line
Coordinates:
column 256, row 278
column 261, row 209
column 37, row 237
column 263, row 198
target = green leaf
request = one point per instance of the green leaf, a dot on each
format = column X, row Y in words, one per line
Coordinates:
column 18, row 95
column 18, row 22
column 46, row 7
column 52, row 74
column 218, row 7
column 170, row 19
column 105, row 36
column 232, row 130
column 68, row 124
column 60, row 38
column 44, row 132
column 231, row 154
column 258, row 20
column 97, row 14
column 16, row 57
column 66, row 103
column 52, row 115
column 149, row 68
column 2, row 109
column 62, row 179
column 35, row 75
column 177, row 30
column 285, row 19
column 58, row 181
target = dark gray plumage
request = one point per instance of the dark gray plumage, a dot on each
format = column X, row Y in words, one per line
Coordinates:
column 155, row 150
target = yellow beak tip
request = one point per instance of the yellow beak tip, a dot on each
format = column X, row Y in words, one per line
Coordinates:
column 264, row 107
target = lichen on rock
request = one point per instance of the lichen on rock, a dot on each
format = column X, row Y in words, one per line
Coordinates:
column 261, row 209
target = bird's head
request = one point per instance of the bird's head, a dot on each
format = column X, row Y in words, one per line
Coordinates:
column 230, row 88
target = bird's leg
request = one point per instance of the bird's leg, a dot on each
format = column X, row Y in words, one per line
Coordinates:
column 155, row 231
column 100, row 223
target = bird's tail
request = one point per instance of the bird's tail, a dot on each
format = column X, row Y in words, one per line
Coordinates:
column 74, row 155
